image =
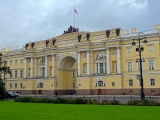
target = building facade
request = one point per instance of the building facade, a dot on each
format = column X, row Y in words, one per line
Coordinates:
column 88, row 63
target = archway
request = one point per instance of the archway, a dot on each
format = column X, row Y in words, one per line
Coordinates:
column 67, row 74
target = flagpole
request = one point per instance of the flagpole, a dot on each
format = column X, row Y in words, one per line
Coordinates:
column 74, row 16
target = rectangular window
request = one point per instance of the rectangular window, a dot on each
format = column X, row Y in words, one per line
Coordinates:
column 151, row 64
column 21, row 85
column 16, row 62
column 15, row 85
column 150, row 48
column 15, row 74
column 105, row 68
column 152, row 81
column 152, row 91
column 129, row 50
column 73, row 74
column 21, row 61
column 21, row 74
column 130, row 82
column 139, row 65
column 101, row 67
column 74, row 85
column 11, row 62
column 129, row 66
column 11, row 74
column 113, row 83
column 10, row 85
column 97, row 67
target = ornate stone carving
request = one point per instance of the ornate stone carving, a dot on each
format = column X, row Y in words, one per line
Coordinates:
column 79, row 37
column 88, row 36
column 53, row 41
column 71, row 29
column 47, row 42
column 32, row 44
column 26, row 46
column 107, row 33
column 117, row 31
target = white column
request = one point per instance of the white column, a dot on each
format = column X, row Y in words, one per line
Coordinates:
column 104, row 67
column 118, row 60
column 35, row 67
column 40, row 71
column 107, row 60
column 31, row 72
column 53, row 68
column 25, row 67
column 46, row 66
column 3, row 71
column 88, row 63
column 79, row 63
column 98, row 67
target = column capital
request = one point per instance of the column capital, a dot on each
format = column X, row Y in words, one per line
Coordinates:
column 53, row 55
column 118, row 47
column 78, row 52
column 107, row 48
column 32, row 57
column 88, row 50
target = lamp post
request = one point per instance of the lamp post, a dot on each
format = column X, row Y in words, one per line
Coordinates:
column 140, row 49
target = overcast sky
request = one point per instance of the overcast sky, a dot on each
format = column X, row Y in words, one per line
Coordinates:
column 23, row 21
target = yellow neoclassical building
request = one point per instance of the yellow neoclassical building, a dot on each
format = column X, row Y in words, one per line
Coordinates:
column 88, row 63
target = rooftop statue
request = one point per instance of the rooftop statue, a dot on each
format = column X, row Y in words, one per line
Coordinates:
column 71, row 29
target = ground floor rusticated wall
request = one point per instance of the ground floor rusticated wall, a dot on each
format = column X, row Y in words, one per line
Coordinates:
column 135, row 91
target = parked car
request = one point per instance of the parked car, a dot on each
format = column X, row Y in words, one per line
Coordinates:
column 12, row 94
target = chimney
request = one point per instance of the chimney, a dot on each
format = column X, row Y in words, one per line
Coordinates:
column 133, row 30
column 126, row 31
column 155, row 27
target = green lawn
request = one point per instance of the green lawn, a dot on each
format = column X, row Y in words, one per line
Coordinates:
column 10, row 110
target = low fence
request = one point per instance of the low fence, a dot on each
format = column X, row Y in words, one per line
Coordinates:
column 100, row 98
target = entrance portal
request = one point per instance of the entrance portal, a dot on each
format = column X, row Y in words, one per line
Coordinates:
column 99, row 91
column 39, row 92
column 68, row 73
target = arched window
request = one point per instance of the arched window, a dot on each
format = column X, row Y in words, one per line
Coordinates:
column 100, row 83
column 40, row 85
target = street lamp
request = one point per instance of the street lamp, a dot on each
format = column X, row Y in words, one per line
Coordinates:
column 140, row 49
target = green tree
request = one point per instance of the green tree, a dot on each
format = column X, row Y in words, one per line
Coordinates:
column 2, row 90
column 5, row 70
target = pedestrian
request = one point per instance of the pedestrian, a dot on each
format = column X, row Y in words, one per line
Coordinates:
column 56, row 94
column 71, row 92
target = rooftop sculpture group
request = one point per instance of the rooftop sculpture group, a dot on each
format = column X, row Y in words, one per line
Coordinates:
column 71, row 29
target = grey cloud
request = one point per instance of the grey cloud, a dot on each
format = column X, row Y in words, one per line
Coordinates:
column 52, row 17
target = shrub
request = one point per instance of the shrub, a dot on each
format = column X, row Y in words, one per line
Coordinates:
column 95, row 102
column 106, row 102
column 146, row 102
column 78, row 101
column 155, row 103
column 115, row 102
column 134, row 102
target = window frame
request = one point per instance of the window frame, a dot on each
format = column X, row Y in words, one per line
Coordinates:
column 150, row 48
column 129, row 50
column 16, row 74
column 130, row 81
column 152, row 82
column 128, row 67
column 153, row 65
